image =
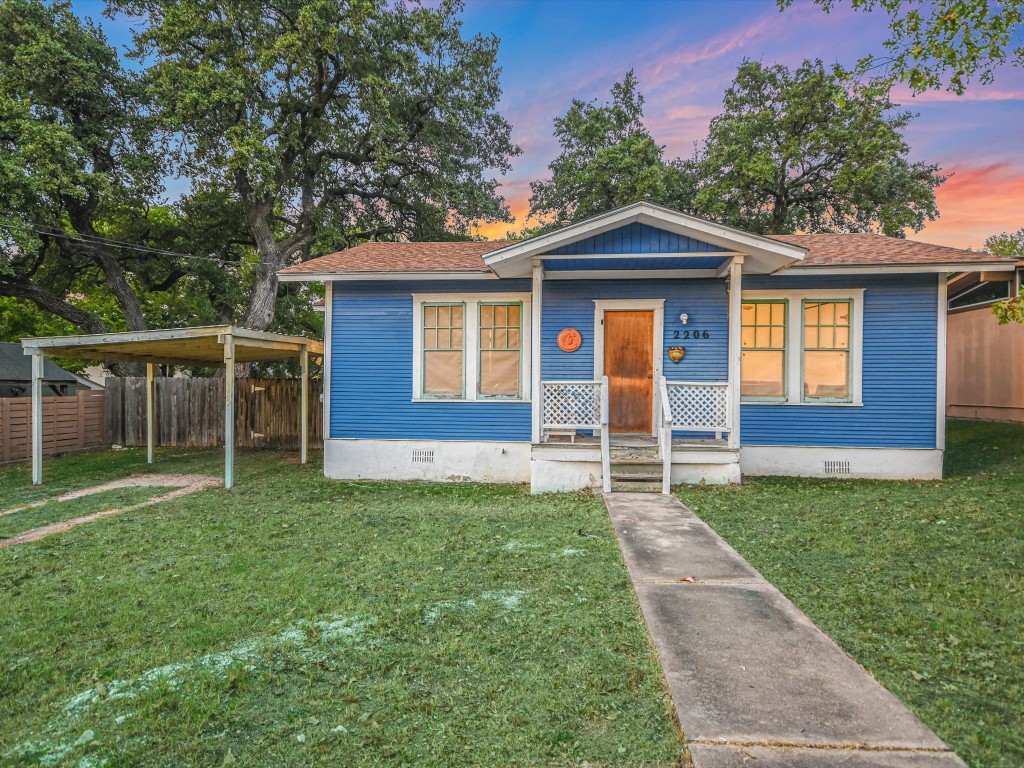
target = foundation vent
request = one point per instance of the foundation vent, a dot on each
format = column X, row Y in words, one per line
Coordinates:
column 835, row 467
column 420, row 456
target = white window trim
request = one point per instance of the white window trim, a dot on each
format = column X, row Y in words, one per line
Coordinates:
column 794, row 344
column 471, row 344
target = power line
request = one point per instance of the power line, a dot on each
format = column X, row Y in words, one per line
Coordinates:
column 93, row 240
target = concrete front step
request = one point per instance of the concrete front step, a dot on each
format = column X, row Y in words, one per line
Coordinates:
column 634, row 485
column 636, row 468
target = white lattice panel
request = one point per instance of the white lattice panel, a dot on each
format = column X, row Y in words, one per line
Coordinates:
column 571, row 405
column 699, row 406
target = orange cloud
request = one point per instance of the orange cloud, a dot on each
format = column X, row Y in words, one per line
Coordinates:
column 977, row 202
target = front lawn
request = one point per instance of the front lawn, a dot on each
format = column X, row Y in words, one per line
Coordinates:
column 300, row 621
column 922, row 583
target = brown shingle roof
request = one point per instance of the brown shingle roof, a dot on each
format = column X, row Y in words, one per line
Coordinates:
column 458, row 256
column 864, row 249
column 826, row 250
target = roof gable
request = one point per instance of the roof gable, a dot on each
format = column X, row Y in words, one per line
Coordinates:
column 634, row 238
column 762, row 254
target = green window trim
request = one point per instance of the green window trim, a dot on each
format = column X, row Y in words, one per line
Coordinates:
column 507, row 348
column 437, row 348
column 784, row 303
column 834, row 325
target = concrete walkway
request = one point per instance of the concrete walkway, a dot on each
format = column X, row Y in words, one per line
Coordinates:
column 753, row 680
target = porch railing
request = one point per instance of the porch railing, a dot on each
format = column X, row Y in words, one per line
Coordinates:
column 692, row 406
column 567, row 406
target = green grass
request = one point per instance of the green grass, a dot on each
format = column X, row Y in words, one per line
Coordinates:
column 921, row 582
column 300, row 621
column 55, row 511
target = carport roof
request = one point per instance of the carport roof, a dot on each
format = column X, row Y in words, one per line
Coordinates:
column 203, row 345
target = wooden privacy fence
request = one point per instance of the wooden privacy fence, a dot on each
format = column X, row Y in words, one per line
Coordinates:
column 190, row 412
column 74, row 423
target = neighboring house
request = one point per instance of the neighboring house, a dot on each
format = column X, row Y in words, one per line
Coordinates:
column 985, row 377
column 641, row 343
column 16, row 375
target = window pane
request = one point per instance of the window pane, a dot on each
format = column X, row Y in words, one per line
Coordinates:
column 811, row 337
column 827, row 375
column 499, row 373
column 486, row 315
column 429, row 317
column 843, row 313
column 763, row 374
column 778, row 313
column 513, row 338
column 843, row 338
column 778, row 337
column 442, row 374
column 828, row 314
column 456, row 315
column 499, row 315
column 749, row 336
column 748, row 313
column 811, row 311
column 444, row 339
column 500, row 338
column 513, row 314
column 486, row 338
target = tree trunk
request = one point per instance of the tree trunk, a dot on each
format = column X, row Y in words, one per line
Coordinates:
column 263, row 303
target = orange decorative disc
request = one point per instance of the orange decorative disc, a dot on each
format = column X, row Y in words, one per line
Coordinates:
column 569, row 340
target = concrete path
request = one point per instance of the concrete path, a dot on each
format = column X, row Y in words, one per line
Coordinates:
column 753, row 680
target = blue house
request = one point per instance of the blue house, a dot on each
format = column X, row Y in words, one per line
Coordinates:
column 637, row 349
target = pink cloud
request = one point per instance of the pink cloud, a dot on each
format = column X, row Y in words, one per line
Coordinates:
column 977, row 202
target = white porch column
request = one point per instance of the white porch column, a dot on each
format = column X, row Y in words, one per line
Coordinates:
column 37, row 417
column 229, row 410
column 304, row 406
column 735, row 347
column 536, row 395
column 150, row 411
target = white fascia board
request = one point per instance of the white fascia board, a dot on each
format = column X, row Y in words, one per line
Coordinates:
column 320, row 277
column 854, row 269
column 626, row 274
column 767, row 255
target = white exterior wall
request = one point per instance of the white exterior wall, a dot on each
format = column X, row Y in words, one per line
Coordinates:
column 452, row 461
column 868, row 463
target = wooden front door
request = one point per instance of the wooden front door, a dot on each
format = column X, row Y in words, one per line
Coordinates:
column 629, row 366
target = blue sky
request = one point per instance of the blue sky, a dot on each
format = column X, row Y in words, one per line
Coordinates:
column 685, row 54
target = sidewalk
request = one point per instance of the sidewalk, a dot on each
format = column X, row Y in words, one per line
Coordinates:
column 753, row 680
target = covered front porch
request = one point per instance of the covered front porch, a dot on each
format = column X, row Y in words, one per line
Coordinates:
column 636, row 348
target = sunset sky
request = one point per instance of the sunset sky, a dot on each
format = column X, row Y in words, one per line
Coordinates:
column 685, row 55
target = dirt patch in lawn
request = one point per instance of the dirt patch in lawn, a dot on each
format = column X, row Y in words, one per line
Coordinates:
column 183, row 485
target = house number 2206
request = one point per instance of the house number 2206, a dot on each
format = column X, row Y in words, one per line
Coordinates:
column 688, row 334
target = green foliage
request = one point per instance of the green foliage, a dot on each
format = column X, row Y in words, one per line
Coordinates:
column 1008, row 244
column 608, row 159
column 943, row 43
column 919, row 581
column 329, row 121
column 811, row 150
column 805, row 150
column 297, row 621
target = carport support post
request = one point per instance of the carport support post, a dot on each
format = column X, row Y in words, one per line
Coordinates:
column 37, row 418
column 229, row 410
column 304, row 407
column 150, row 411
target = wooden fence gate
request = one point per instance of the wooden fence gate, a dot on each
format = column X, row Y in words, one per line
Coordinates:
column 73, row 423
column 190, row 412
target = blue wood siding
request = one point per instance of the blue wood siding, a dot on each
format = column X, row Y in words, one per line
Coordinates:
column 570, row 304
column 635, row 238
column 371, row 369
column 899, row 371
column 683, row 262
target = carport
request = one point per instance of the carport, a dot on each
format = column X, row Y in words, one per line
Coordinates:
column 220, row 346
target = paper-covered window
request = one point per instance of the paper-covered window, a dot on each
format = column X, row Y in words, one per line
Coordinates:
column 826, row 363
column 763, row 350
column 500, row 350
column 443, row 350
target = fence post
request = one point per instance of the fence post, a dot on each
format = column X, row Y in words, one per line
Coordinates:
column 229, row 410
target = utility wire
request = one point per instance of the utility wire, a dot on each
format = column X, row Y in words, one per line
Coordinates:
column 92, row 240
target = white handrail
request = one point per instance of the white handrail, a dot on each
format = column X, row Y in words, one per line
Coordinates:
column 606, row 459
column 665, row 435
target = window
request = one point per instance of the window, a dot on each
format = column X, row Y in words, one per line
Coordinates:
column 500, row 337
column 443, row 337
column 826, row 350
column 471, row 347
column 802, row 347
column 764, row 350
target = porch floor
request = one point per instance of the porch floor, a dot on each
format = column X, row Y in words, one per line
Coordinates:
column 634, row 441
